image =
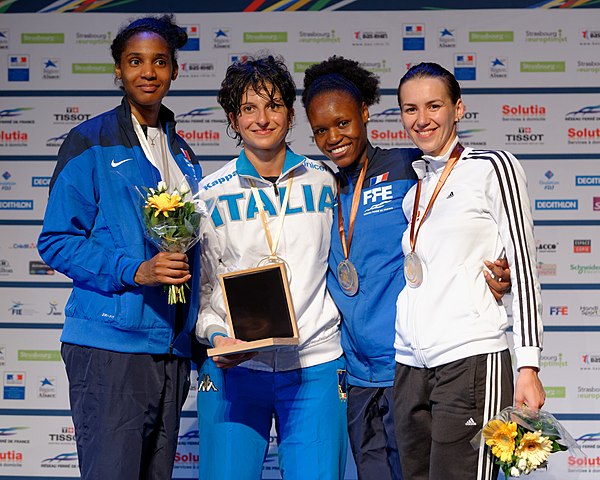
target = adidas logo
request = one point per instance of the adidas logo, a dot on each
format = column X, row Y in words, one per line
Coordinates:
column 470, row 422
column 450, row 195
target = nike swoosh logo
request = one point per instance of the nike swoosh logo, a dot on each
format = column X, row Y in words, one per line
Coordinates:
column 116, row 164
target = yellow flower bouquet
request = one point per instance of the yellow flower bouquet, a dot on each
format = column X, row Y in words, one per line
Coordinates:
column 521, row 439
column 172, row 224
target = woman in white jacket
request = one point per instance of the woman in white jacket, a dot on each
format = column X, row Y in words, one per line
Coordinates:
column 453, row 370
column 302, row 386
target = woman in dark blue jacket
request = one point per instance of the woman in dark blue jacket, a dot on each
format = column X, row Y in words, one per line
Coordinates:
column 126, row 350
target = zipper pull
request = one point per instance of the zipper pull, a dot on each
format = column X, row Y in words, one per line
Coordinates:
column 276, row 189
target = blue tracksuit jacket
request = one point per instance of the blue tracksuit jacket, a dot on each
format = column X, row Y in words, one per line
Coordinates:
column 368, row 318
column 93, row 233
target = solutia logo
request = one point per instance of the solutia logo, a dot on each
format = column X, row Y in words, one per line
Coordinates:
column 201, row 137
column 583, row 136
column 186, row 458
column 588, row 464
column 390, row 137
column 13, row 138
column 11, row 458
column 523, row 112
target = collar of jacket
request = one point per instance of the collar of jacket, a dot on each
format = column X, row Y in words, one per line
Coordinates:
column 165, row 116
column 245, row 168
column 353, row 171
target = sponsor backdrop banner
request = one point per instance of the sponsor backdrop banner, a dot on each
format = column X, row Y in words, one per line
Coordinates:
column 530, row 78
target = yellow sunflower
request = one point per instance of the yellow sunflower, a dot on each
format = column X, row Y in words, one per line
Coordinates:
column 501, row 437
column 534, row 448
column 164, row 203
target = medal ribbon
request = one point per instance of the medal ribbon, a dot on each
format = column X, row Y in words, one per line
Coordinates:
column 353, row 210
column 454, row 157
column 263, row 215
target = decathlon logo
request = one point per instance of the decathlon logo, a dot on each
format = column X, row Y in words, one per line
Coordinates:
column 557, row 204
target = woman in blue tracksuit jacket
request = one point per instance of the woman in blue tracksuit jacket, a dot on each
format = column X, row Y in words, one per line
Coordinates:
column 126, row 350
column 337, row 94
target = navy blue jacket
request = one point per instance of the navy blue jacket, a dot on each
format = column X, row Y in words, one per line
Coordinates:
column 93, row 233
column 368, row 318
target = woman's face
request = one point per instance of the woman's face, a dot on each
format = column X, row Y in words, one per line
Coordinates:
column 429, row 115
column 339, row 126
column 263, row 122
column 146, row 70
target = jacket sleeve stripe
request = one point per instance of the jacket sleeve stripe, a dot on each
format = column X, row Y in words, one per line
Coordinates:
column 527, row 319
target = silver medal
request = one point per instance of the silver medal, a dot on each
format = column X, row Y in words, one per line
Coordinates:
column 347, row 277
column 413, row 270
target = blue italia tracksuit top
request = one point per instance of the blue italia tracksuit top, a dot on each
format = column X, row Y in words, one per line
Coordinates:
column 93, row 233
column 368, row 318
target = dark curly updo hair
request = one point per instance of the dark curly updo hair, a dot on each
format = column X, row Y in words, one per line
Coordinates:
column 340, row 74
column 175, row 36
column 266, row 75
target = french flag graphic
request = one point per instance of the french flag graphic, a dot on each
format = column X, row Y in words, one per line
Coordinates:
column 379, row 178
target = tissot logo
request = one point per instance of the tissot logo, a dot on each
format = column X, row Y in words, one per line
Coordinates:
column 71, row 115
column 524, row 136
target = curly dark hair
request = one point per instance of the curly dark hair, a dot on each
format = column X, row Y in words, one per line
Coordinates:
column 339, row 73
column 175, row 36
column 266, row 75
column 432, row 70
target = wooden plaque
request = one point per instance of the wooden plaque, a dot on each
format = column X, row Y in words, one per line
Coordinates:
column 259, row 309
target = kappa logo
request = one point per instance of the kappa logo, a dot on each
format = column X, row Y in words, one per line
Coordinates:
column 470, row 422
column 206, row 384
column 115, row 164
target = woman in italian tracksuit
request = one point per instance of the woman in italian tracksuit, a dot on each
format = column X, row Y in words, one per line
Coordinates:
column 453, row 369
column 126, row 350
column 302, row 386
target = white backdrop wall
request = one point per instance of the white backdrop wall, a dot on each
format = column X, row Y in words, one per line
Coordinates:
column 530, row 81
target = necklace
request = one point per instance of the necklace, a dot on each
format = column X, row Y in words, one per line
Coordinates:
column 152, row 139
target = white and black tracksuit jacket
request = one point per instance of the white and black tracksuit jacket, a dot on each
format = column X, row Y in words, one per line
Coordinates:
column 481, row 213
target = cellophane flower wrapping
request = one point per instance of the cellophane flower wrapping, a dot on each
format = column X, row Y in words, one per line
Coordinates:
column 522, row 439
column 171, row 219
